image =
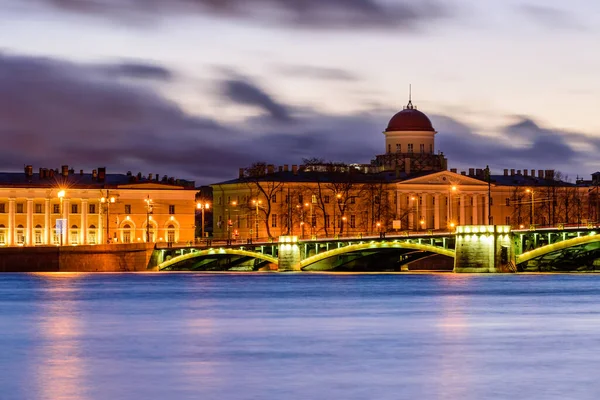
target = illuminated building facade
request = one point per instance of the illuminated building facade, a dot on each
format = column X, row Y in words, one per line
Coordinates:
column 408, row 188
column 55, row 207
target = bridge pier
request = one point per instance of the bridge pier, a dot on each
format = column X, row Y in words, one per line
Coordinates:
column 289, row 253
column 484, row 248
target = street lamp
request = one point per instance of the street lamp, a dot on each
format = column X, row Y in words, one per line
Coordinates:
column 202, row 206
column 61, row 195
column 416, row 206
column 256, row 203
column 532, row 205
column 378, row 224
column 148, row 201
column 335, row 206
column 311, row 217
column 453, row 189
column 229, row 222
column 108, row 201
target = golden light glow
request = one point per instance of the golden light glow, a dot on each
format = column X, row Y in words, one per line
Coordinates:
column 61, row 194
column 454, row 188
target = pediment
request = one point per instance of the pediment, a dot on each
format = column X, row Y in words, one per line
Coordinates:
column 444, row 178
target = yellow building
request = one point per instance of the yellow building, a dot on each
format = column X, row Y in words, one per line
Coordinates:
column 408, row 188
column 93, row 208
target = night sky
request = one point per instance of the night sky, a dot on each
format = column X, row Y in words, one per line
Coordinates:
column 198, row 88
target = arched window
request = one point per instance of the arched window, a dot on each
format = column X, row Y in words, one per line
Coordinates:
column 74, row 234
column 37, row 234
column 170, row 233
column 20, row 234
column 126, row 233
column 2, row 235
column 92, row 234
column 55, row 236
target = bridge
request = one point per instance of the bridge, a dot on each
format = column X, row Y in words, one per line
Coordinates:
column 485, row 248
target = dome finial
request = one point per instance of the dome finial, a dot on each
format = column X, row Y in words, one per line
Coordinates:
column 410, row 106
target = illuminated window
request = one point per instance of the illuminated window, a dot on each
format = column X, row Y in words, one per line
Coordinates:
column 127, row 208
column 74, row 234
column 171, row 233
column 20, row 234
column 410, row 148
column 126, row 233
column 38, row 234
column 171, row 209
column 2, row 235
column 56, row 208
column 92, row 234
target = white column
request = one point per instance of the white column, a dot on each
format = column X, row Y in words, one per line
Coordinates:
column 475, row 209
column 47, row 223
column 100, row 239
column 65, row 215
column 84, row 221
column 463, row 218
column 29, row 229
column 423, row 216
column 436, row 214
column 11, row 222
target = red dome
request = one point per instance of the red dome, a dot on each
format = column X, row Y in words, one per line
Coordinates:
column 410, row 119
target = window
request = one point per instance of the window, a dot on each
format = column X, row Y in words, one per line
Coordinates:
column 389, row 148
column 274, row 221
column 171, row 233
column 431, row 148
column 73, row 208
column 19, row 208
column 128, row 210
column 20, row 234
column 92, row 234
column 38, row 209
column 326, row 199
column 92, row 209
column 352, row 221
column 274, row 198
column 38, row 234
column 398, row 148
column 2, row 235
column 300, row 199
column 352, row 200
column 126, row 233
column 74, row 234
column 422, row 148
column 171, row 209
column 508, row 202
column 507, row 220
column 56, row 208
column 410, row 148
column 2, row 208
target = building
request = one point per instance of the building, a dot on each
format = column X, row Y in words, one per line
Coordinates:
column 55, row 207
column 408, row 188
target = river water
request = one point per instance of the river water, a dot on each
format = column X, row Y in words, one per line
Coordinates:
column 299, row 336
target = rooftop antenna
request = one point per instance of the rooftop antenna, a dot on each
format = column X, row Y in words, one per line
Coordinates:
column 410, row 106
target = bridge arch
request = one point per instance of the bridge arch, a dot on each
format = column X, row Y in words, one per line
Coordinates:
column 375, row 245
column 550, row 248
column 220, row 251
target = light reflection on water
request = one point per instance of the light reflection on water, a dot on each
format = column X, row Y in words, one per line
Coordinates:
column 298, row 336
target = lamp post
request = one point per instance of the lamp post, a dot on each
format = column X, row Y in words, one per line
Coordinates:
column 416, row 206
column 311, row 217
column 148, row 201
column 532, row 215
column 229, row 222
column 60, row 195
column 108, row 201
column 256, row 203
column 202, row 206
column 336, row 204
column 451, row 223
column 379, row 228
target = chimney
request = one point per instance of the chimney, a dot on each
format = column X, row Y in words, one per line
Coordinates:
column 50, row 173
column 280, row 168
column 540, row 173
column 533, row 173
column 65, row 170
column 41, row 173
column 525, row 172
column 285, row 168
column 512, row 172
column 270, row 169
column 150, row 176
column 29, row 171
column 94, row 175
column 463, row 173
column 407, row 166
column 295, row 169
column 479, row 172
column 157, row 178
column 80, row 172
column 518, row 172
column 101, row 174
column 241, row 173
column 453, row 170
column 471, row 171
column 505, row 172
column 139, row 176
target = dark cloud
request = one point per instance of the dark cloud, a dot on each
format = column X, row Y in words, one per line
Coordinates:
column 329, row 14
column 551, row 18
column 138, row 70
column 245, row 92
column 313, row 72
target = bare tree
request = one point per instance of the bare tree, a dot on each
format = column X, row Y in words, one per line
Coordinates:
column 265, row 185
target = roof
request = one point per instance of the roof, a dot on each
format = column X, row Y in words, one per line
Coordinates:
column 410, row 119
column 73, row 180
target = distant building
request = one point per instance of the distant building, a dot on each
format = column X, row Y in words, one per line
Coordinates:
column 407, row 188
column 93, row 208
